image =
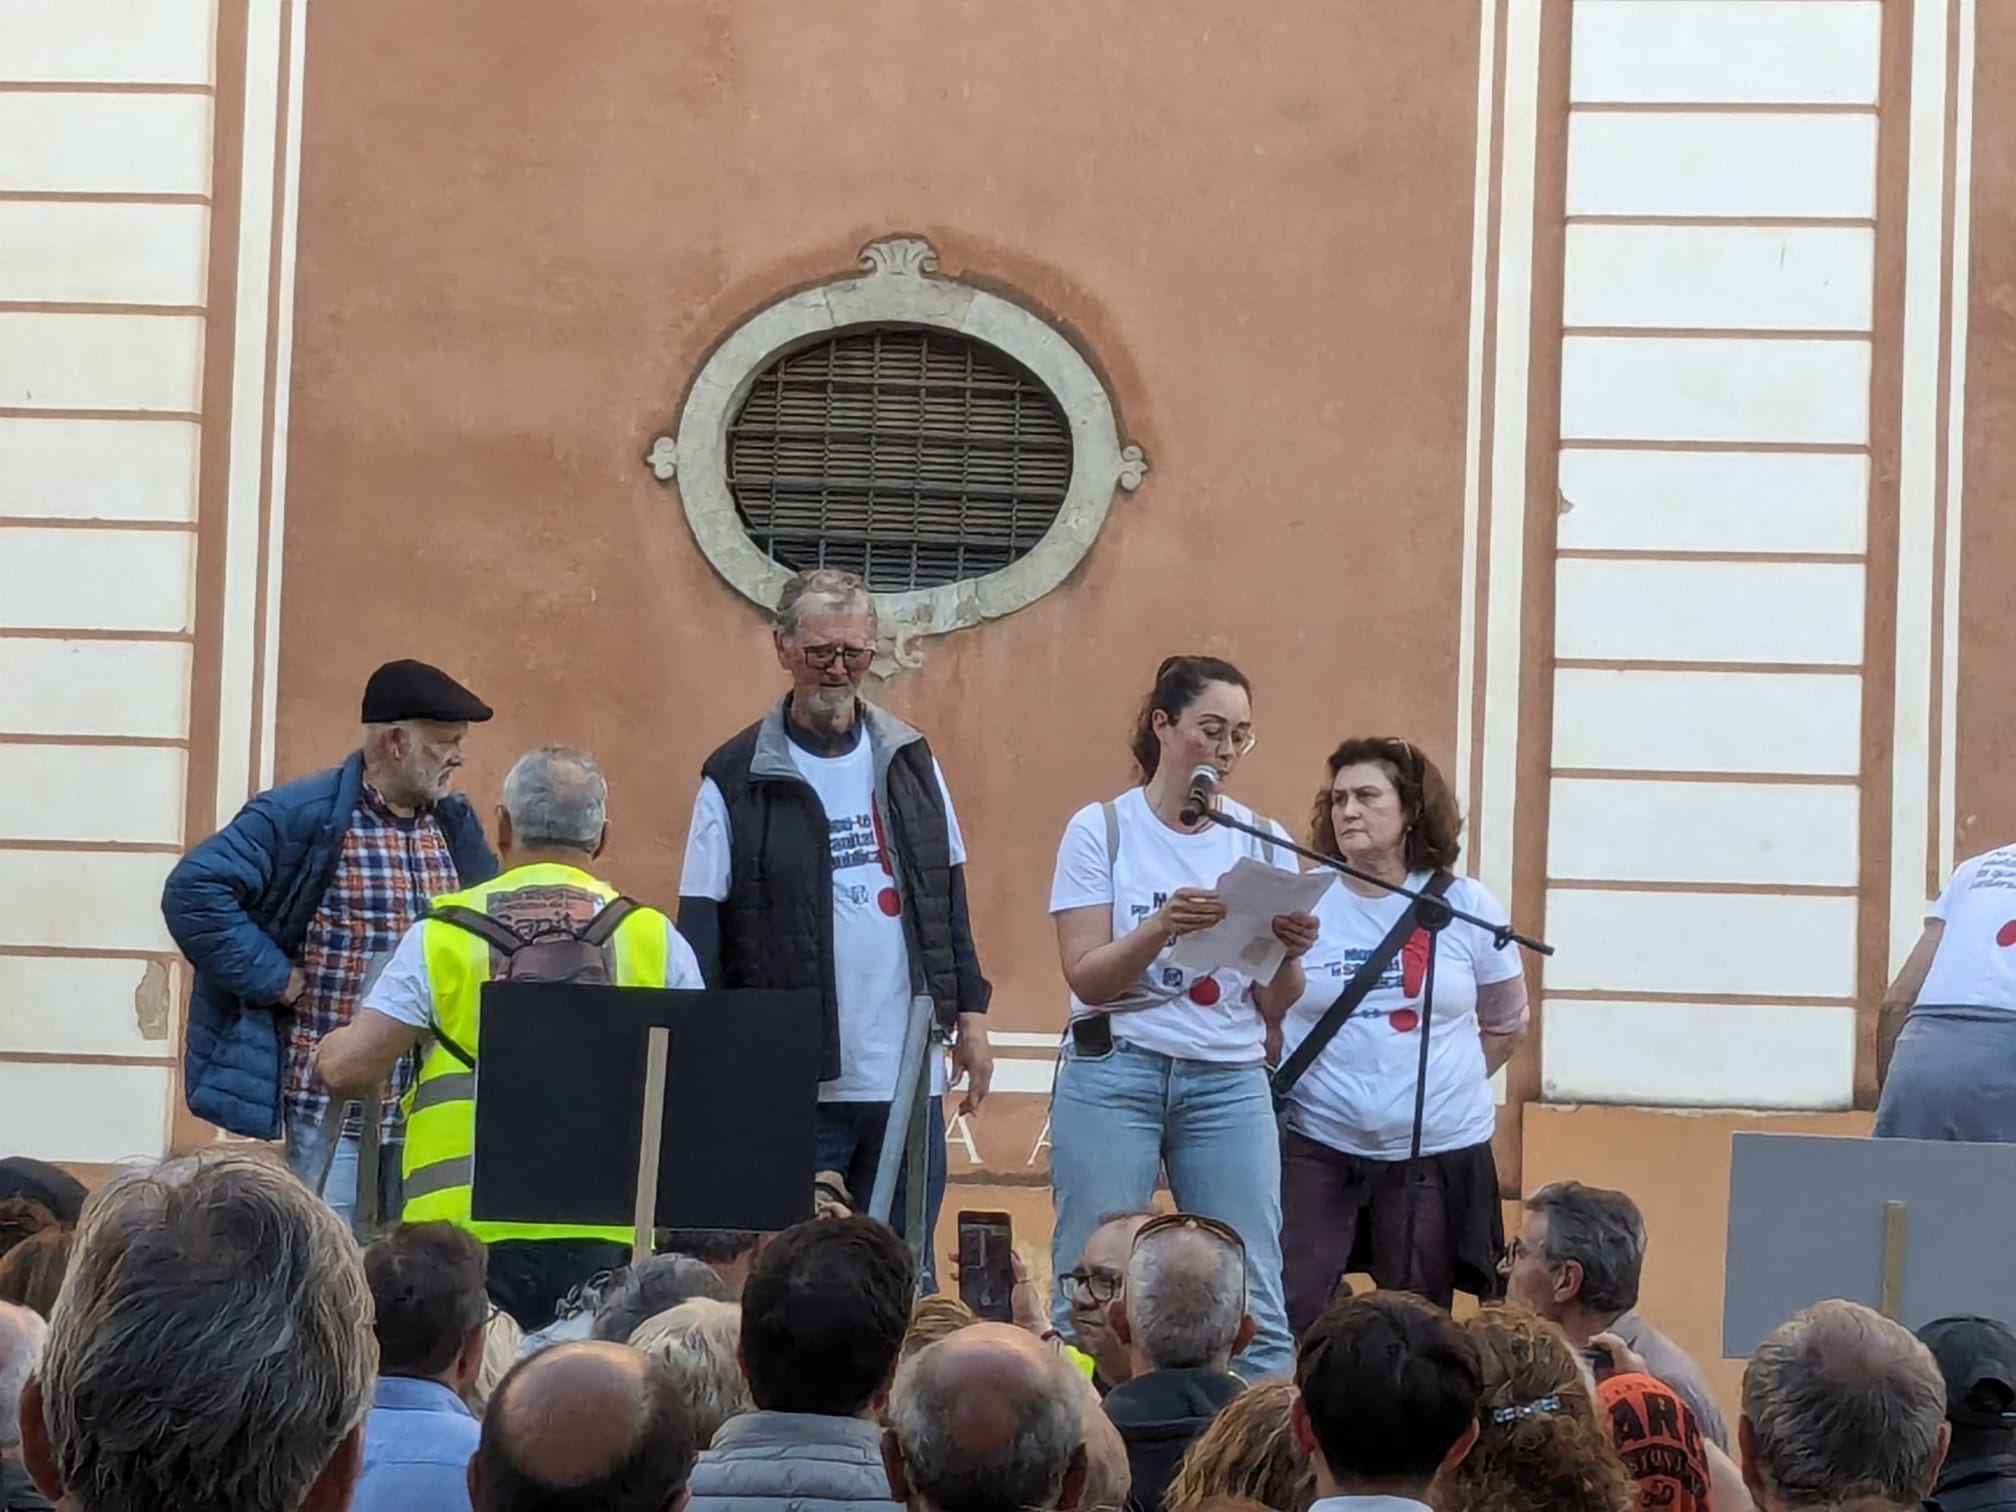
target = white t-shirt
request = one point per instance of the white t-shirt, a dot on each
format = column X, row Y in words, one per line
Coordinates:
column 1975, row 964
column 401, row 991
column 1168, row 1010
column 1358, row 1095
column 871, row 958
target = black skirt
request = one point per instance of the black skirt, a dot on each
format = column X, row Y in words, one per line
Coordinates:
column 1474, row 1215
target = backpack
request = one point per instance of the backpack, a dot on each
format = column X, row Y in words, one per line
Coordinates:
column 552, row 951
column 548, row 952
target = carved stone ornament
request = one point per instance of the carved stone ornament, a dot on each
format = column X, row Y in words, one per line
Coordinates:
column 899, row 257
column 896, row 282
column 1133, row 468
column 897, row 639
column 663, row 458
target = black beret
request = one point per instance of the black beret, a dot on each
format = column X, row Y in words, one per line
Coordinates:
column 413, row 690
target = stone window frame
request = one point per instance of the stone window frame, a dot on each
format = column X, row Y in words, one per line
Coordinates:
column 898, row 284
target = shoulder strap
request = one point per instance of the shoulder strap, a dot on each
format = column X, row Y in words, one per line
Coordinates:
column 500, row 935
column 1267, row 844
column 602, row 928
column 1362, row 982
column 1111, row 813
column 451, row 1047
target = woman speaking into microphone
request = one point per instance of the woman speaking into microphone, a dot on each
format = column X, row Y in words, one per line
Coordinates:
column 1354, row 1195
column 1163, row 1066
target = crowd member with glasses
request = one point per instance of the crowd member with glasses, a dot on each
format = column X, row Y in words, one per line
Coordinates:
column 1182, row 1316
column 1088, row 1290
column 1353, row 1199
column 1163, row 1067
column 824, row 854
column 1576, row 1262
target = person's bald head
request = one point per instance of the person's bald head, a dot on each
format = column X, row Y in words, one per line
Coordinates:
column 1842, row 1405
column 584, row 1427
column 22, row 1334
column 988, row 1420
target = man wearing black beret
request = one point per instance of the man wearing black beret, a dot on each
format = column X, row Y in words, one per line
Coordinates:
column 286, row 912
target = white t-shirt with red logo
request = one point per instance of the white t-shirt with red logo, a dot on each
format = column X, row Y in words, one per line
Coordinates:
column 1975, row 965
column 1358, row 1095
column 871, row 957
column 1171, row 1011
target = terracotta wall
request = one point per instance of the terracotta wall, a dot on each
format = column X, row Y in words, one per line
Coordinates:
column 521, row 229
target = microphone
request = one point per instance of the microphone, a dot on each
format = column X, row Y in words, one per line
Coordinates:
column 1197, row 803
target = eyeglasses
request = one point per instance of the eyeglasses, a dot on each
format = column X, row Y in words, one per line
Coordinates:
column 1100, row 1286
column 1239, row 737
column 823, row 656
column 1515, row 1251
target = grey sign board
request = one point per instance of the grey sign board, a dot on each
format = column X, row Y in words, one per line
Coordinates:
column 1807, row 1215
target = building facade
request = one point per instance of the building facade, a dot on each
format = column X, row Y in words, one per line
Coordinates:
column 1602, row 394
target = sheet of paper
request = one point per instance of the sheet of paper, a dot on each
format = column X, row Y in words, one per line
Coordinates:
column 1254, row 895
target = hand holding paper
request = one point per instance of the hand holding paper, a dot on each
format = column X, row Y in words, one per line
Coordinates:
column 1254, row 895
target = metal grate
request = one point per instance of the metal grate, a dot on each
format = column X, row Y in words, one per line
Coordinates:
column 912, row 456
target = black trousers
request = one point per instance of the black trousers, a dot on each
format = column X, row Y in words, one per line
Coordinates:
column 529, row 1278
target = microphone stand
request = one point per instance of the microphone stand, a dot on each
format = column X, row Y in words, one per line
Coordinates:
column 1432, row 915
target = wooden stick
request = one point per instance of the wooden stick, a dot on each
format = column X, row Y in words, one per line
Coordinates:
column 1893, row 1261
column 656, row 1054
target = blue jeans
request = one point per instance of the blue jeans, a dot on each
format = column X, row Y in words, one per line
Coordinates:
column 1115, row 1118
column 304, row 1143
column 850, row 1142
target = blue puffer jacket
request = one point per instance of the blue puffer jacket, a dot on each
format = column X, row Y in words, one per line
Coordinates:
column 239, row 905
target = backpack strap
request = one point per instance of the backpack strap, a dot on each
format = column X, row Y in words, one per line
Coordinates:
column 1111, row 814
column 602, row 928
column 501, row 936
column 1362, row 982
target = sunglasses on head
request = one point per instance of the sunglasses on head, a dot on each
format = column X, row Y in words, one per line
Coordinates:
column 1195, row 1221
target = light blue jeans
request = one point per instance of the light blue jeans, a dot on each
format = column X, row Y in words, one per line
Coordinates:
column 339, row 1191
column 1116, row 1118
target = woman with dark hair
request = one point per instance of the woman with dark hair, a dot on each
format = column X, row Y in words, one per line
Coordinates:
column 1164, row 1067
column 1353, row 1197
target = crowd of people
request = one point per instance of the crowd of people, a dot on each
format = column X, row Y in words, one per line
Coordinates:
column 220, row 1343
column 341, row 1329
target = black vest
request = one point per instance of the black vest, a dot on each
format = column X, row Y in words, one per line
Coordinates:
column 777, row 920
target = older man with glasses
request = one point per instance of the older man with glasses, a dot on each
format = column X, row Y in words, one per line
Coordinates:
column 824, row 855
column 1089, row 1290
column 1182, row 1315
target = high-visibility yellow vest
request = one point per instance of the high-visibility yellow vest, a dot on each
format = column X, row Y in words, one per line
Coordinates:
column 441, row 1104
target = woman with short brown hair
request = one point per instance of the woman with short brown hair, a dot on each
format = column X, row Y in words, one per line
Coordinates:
column 1352, row 1195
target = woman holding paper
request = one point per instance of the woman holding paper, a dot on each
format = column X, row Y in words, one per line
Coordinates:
column 1164, row 1064
column 1353, row 1197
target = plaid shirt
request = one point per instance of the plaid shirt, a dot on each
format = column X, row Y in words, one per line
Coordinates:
column 390, row 869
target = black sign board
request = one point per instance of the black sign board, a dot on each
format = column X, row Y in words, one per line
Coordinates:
column 560, row 1074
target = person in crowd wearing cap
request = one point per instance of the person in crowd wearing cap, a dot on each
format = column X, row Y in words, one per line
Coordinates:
column 545, row 918
column 824, row 855
column 1977, row 1356
column 285, row 912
